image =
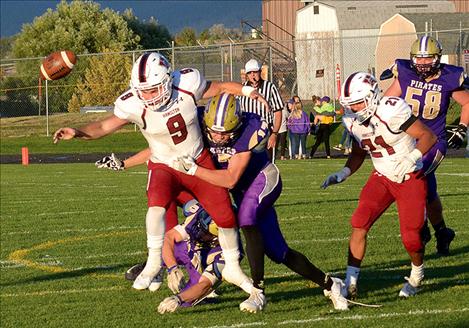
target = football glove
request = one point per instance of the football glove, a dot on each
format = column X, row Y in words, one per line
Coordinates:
column 175, row 279
column 111, row 163
column 406, row 164
column 336, row 177
column 169, row 304
column 185, row 164
column 455, row 136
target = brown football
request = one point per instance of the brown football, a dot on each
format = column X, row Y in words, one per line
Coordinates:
column 57, row 65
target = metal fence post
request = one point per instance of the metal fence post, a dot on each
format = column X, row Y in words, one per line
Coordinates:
column 270, row 64
column 47, row 109
column 172, row 55
column 231, row 61
column 221, row 62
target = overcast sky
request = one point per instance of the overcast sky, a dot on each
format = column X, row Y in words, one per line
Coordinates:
column 174, row 14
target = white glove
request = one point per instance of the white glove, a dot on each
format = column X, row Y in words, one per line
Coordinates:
column 185, row 164
column 111, row 163
column 336, row 177
column 406, row 164
column 169, row 304
column 175, row 279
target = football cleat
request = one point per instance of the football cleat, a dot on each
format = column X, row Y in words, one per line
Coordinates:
column 157, row 281
column 444, row 237
column 133, row 272
column 337, row 294
column 142, row 282
column 352, row 292
column 256, row 301
column 410, row 288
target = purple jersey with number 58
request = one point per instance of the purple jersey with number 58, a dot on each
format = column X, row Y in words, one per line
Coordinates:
column 430, row 98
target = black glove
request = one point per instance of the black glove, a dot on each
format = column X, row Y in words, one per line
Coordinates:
column 455, row 136
column 111, row 163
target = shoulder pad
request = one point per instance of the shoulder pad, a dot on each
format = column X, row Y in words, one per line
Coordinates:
column 394, row 111
column 191, row 80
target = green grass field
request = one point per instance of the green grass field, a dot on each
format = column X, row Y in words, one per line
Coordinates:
column 69, row 231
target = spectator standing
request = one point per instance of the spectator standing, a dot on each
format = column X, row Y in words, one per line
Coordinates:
column 298, row 127
column 282, row 132
column 271, row 94
column 323, row 115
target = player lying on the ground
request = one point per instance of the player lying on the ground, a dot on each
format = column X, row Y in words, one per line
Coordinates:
column 194, row 245
column 428, row 86
column 396, row 140
column 237, row 142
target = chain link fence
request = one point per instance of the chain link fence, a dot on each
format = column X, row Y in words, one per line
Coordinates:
column 314, row 67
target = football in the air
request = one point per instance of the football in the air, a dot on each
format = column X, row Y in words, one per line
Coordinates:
column 57, row 65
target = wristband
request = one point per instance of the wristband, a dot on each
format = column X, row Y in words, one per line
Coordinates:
column 247, row 90
column 172, row 268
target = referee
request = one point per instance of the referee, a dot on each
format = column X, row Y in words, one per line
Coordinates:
column 270, row 93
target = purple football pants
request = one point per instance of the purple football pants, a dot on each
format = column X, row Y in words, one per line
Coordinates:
column 256, row 207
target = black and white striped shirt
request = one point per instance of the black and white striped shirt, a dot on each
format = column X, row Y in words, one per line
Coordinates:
column 270, row 92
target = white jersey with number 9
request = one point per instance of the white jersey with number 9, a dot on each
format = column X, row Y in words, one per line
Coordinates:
column 173, row 130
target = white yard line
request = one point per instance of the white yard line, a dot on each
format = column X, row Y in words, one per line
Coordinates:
column 112, row 228
column 64, row 291
column 356, row 317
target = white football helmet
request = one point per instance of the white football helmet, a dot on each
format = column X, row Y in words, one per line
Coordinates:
column 152, row 71
column 360, row 87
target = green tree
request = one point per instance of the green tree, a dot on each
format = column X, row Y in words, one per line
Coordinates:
column 187, row 37
column 5, row 46
column 80, row 26
column 106, row 77
column 152, row 35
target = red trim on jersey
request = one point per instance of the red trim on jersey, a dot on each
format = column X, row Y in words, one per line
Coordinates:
column 186, row 92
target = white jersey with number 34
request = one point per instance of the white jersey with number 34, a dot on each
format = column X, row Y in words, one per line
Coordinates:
column 384, row 137
column 173, row 130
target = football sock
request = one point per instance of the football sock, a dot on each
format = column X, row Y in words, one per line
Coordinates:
column 255, row 253
column 300, row 264
column 228, row 238
column 155, row 226
column 439, row 226
column 351, row 277
column 416, row 274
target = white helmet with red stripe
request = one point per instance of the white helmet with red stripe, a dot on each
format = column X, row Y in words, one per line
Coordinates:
column 360, row 87
column 152, row 71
